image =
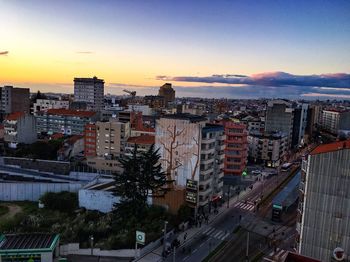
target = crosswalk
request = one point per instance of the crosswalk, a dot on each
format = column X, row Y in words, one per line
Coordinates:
column 245, row 206
column 216, row 233
column 276, row 256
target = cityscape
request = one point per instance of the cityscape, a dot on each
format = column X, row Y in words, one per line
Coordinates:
column 174, row 131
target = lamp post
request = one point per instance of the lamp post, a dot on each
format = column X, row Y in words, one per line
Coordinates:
column 92, row 244
column 164, row 238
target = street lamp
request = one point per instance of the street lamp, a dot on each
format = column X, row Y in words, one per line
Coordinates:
column 92, row 244
column 164, row 238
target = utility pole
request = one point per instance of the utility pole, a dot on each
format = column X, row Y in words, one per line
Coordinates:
column 228, row 196
column 174, row 254
column 92, row 244
column 164, row 238
column 247, row 250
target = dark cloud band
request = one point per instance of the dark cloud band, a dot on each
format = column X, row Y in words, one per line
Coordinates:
column 340, row 80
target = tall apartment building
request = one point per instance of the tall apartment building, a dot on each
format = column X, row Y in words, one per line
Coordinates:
column 313, row 120
column 324, row 208
column 19, row 128
column 46, row 104
column 91, row 91
column 104, row 142
column 335, row 121
column 268, row 148
column 236, row 151
column 299, row 124
column 64, row 121
column 279, row 118
column 14, row 99
column 167, row 92
column 192, row 156
column 111, row 137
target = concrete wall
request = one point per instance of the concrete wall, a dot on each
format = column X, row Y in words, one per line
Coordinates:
column 97, row 200
column 56, row 167
column 32, row 191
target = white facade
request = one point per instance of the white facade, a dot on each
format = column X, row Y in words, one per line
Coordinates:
column 20, row 130
column 324, row 208
column 268, row 148
column 145, row 109
column 178, row 142
column 45, row 104
column 32, row 191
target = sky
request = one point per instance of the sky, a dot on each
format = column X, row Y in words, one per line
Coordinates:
column 231, row 48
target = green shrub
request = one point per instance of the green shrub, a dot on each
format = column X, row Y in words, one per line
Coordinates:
column 62, row 201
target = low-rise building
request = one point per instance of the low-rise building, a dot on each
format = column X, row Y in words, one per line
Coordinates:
column 29, row 247
column 19, row 128
column 268, row 148
column 68, row 122
column 142, row 143
column 72, row 147
column 45, row 104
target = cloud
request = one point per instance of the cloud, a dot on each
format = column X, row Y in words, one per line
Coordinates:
column 85, row 52
column 4, row 52
column 277, row 79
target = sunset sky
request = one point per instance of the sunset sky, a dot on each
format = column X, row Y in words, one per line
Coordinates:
column 230, row 48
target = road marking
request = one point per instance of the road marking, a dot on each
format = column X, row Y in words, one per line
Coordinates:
column 225, row 236
column 185, row 258
column 201, row 244
column 206, row 230
column 251, row 208
column 218, row 233
column 210, row 231
column 194, row 250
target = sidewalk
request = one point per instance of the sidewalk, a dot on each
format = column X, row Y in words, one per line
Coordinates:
column 156, row 255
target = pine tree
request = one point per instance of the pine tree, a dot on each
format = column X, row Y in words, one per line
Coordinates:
column 141, row 177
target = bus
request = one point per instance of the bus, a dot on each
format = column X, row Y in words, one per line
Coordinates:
column 286, row 166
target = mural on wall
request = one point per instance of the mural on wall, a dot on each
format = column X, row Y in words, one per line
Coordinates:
column 178, row 142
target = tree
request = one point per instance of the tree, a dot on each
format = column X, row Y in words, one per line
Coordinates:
column 141, row 177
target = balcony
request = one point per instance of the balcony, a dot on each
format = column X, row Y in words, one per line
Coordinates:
column 205, row 192
column 302, row 187
column 207, row 161
column 220, row 147
column 304, row 165
column 220, row 157
column 208, row 141
column 205, row 180
column 220, row 185
column 208, row 151
column 207, row 171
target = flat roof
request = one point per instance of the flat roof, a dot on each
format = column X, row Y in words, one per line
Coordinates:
column 287, row 190
column 332, row 147
column 28, row 242
column 190, row 117
column 69, row 112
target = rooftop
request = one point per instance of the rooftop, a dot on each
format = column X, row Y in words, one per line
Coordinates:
column 190, row 117
column 27, row 241
column 87, row 79
column 142, row 140
column 67, row 112
column 14, row 116
column 332, row 147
